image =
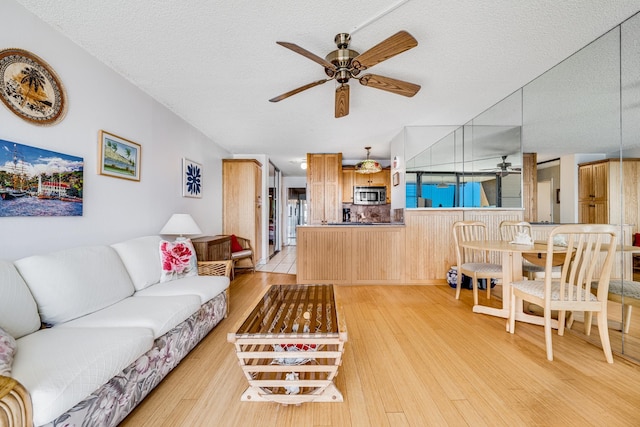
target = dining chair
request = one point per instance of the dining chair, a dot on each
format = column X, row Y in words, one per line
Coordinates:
column 472, row 262
column 572, row 291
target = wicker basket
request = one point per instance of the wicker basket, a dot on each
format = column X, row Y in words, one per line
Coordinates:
column 215, row 268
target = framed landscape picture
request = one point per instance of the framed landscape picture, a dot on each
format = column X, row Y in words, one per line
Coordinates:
column 191, row 178
column 118, row 157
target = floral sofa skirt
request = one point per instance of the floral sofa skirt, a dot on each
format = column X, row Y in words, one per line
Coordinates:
column 112, row 402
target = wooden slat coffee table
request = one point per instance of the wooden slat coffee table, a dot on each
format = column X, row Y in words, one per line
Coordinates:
column 291, row 344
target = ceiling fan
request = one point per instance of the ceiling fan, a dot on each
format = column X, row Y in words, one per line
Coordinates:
column 344, row 64
column 504, row 168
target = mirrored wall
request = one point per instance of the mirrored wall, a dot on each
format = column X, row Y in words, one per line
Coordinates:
column 584, row 110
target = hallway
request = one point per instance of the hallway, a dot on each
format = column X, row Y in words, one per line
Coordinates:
column 282, row 262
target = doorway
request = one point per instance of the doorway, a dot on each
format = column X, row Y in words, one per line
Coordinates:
column 296, row 212
column 545, row 201
column 274, row 210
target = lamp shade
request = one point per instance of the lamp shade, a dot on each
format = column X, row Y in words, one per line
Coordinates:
column 368, row 166
column 180, row 225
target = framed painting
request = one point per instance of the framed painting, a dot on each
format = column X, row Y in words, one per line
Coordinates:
column 30, row 88
column 396, row 179
column 118, row 157
column 191, row 178
column 39, row 182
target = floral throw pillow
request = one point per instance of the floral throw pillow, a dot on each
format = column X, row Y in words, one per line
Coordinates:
column 7, row 350
column 178, row 260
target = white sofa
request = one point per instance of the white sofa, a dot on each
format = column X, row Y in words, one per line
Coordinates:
column 96, row 331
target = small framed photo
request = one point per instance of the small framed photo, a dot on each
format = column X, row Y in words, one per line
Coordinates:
column 191, row 178
column 118, row 157
column 396, row 179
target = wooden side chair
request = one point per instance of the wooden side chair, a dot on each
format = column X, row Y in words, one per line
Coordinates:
column 241, row 250
column 627, row 293
column 472, row 262
column 572, row 291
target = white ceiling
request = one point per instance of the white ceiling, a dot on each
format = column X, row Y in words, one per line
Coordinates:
column 216, row 63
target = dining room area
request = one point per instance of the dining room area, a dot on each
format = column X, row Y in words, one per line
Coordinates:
column 561, row 150
column 558, row 283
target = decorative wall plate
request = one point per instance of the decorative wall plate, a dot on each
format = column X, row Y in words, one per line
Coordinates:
column 30, row 88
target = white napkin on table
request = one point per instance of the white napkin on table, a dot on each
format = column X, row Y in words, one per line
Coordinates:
column 522, row 239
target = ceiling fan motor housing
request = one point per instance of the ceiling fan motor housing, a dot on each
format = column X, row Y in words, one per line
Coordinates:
column 342, row 58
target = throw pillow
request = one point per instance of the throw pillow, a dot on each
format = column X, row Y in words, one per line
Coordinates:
column 178, row 260
column 8, row 347
column 235, row 245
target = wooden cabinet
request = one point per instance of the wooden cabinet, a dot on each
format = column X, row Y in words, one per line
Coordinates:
column 212, row 248
column 593, row 185
column 350, row 179
column 600, row 199
column 324, row 187
column 242, row 201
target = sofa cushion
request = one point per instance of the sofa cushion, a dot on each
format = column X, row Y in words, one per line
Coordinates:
column 205, row 287
column 178, row 260
column 62, row 366
column 142, row 260
column 18, row 310
column 74, row 282
column 160, row 314
column 7, row 350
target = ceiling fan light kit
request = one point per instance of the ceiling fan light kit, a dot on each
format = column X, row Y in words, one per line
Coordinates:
column 344, row 64
column 368, row 166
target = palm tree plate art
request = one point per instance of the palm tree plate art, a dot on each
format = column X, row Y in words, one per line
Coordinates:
column 30, row 88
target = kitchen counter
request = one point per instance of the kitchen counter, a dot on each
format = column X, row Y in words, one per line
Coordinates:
column 351, row 253
column 364, row 223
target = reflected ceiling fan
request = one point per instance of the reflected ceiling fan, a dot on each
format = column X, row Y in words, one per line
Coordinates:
column 344, row 64
column 504, row 168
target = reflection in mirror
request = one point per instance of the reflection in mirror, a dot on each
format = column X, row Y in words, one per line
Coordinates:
column 585, row 108
column 473, row 166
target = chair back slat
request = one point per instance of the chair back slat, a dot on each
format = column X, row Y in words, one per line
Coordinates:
column 584, row 244
column 464, row 231
column 510, row 229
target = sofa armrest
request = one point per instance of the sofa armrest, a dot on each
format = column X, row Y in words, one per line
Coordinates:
column 215, row 268
column 15, row 403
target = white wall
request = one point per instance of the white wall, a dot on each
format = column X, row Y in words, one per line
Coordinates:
column 114, row 209
column 398, row 192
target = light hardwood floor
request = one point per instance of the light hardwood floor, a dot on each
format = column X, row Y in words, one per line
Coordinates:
column 415, row 357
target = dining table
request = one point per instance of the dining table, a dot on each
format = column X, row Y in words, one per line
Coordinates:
column 512, row 255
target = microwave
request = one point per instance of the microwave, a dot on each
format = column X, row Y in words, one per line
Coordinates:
column 369, row 195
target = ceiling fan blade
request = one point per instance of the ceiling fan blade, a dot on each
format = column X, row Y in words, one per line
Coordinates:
column 342, row 100
column 390, row 85
column 397, row 43
column 298, row 90
column 304, row 52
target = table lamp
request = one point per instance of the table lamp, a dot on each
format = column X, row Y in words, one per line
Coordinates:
column 180, row 225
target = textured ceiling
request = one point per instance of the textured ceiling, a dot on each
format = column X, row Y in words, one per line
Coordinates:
column 216, row 63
